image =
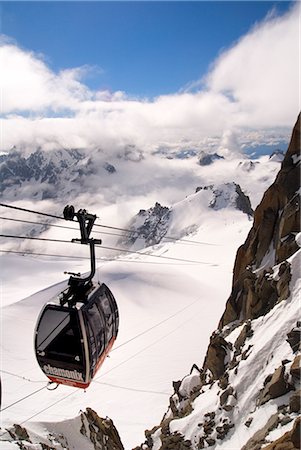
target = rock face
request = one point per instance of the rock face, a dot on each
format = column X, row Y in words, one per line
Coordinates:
column 149, row 225
column 101, row 432
column 277, row 155
column 49, row 174
column 206, row 159
column 38, row 166
column 276, row 223
column 228, row 194
column 253, row 358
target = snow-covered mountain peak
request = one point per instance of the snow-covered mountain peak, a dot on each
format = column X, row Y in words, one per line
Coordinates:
column 150, row 226
column 228, row 195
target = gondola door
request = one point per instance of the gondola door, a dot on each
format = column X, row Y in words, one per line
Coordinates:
column 61, row 346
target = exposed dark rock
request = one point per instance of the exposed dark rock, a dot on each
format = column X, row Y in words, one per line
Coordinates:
column 245, row 333
column 210, row 441
column 276, row 222
column 243, row 202
column 174, row 441
column 176, row 385
column 228, row 194
column 258, row 439
column 289, row 441
column 275, row 386
column 208, row 158
column 253, row 296
column 21, row 433
column 224, row 396
column 149, row 440
column 155, row 222
column 295, row 369
column 215, row 357
column 284, row 280
column 296, row 433
column 223, row 430
column 295, row 402
column 102, row 432
column 223, row 382
column 248, row 422
column 294, row 338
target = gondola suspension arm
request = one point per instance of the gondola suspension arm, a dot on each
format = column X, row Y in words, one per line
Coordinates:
column 86, row 222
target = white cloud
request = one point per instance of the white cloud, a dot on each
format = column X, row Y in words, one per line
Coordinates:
column 27, row 83
column 261, row 72
column 254, row 84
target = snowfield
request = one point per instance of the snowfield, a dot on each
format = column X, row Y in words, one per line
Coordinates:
column 168, row 310
column 168, row 307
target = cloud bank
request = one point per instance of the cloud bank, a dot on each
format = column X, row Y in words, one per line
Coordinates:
column 253, row 85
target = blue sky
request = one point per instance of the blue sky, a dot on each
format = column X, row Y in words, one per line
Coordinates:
column 142, row 48
column 90, row 74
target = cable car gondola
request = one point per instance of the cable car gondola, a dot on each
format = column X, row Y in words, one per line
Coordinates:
column 74, row 335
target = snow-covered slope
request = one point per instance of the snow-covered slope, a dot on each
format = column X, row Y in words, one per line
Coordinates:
column 168, row 307
column 256, row 393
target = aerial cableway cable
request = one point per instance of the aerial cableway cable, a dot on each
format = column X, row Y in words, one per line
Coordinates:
column 102, row 226
column 10, row 236
column 102, row 259
column 48, row 225
column 108, row 233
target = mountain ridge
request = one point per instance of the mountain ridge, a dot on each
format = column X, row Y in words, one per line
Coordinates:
column 260, row 290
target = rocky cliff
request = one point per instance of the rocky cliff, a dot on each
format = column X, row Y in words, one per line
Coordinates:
column 246, row 396
column 271, row 241
column 88, row 431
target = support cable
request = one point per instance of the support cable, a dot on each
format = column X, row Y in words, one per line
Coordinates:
column 102, row 226
column 121, row 250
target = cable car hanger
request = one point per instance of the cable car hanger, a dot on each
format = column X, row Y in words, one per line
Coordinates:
column 80, row 286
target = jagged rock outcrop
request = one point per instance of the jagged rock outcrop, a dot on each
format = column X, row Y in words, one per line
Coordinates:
column 277, row 155
column 93, row 431
column 276, row 222
column 205, row 159
column 228, row 194
column 289, row 441
column 101, row 432
column 149, row 225
column 251, row 364
column 216, row 355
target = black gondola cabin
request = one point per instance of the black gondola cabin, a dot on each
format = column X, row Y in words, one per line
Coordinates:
column 71, row 343
column 74, row 335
